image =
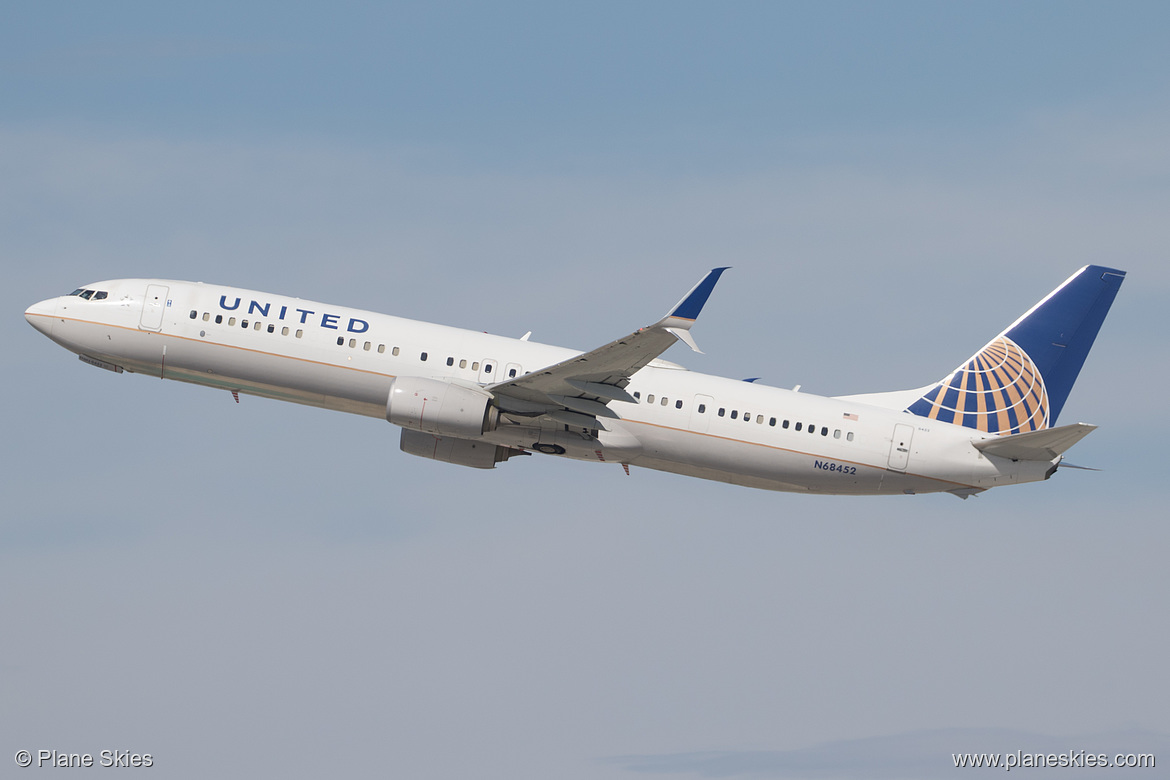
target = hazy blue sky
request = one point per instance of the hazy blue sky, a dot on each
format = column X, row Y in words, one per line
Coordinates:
column 266, row 589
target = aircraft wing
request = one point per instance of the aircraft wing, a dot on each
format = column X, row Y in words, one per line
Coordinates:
column 1044, row 444
column 576, row 391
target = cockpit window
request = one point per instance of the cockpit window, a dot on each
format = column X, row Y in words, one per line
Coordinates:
column 96, row 295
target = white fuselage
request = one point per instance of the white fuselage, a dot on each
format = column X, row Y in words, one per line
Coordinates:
column 685, row 422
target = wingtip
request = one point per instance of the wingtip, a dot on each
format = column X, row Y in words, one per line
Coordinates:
column 692, row 303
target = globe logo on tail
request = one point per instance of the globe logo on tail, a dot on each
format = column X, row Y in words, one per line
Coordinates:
column 999, row 390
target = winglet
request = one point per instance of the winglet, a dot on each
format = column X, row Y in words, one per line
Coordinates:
column 685, row 312
column 692, row 303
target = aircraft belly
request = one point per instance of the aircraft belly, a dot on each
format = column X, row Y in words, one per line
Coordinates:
column 753, row 464
column 227, row 367
column 139, row 351
column 616, row 445
column 277, row 376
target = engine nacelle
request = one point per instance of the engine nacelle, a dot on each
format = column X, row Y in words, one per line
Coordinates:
column 434, row 406
column 449, row 449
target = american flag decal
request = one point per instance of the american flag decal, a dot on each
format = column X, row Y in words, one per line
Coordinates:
column 849, row 416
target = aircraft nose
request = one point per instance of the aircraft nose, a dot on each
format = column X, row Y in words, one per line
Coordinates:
column 40, row 315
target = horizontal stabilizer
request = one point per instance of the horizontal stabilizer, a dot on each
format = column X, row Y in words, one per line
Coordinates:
column 1035, row 445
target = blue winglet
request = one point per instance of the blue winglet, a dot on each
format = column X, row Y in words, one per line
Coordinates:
column 692, row 303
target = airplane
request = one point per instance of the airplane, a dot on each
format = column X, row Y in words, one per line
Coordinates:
column 476, row 399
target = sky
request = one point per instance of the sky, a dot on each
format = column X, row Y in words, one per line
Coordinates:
column 271, row 589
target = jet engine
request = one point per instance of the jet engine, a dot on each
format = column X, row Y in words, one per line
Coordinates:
column 449, row 449
column 441, row 408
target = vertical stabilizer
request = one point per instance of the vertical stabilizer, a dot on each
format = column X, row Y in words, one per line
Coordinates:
column 1021, row 379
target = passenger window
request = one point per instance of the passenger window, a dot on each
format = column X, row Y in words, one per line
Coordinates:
column 423, row 357
column 341, row 341
column 837, row 434
column 849, row 436
column 381, row 349
column 638, row 394
column 664, row 400
column 487, row 368
column 352, row 343
column 511, row 373
column 394, row 352
column 702, row 408
column 258, row 325
column 650, row 398
column 243, row 323
column 463, row 363
column 475, row 366
column 194, row 314
column 798, row 425
column 284, row 331
column 735, row 414
column 812, row 429
column 772, row 421
column 784, row 425
column 824, row 430
column 300, row 333
column 678, row 404
column 367, row 346
column 722, row 411
column 759, row 419
column 218, row 319
column 450, row 361
column 272, row 329
column 206, row 316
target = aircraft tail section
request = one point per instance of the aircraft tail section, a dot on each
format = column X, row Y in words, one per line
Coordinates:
column 1036, row 445
column 1020, row 381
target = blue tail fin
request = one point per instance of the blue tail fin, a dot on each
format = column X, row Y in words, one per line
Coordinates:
column 1020, row 381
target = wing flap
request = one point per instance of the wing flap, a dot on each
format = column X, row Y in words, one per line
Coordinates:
column 601, row 375
column 1035, row 445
